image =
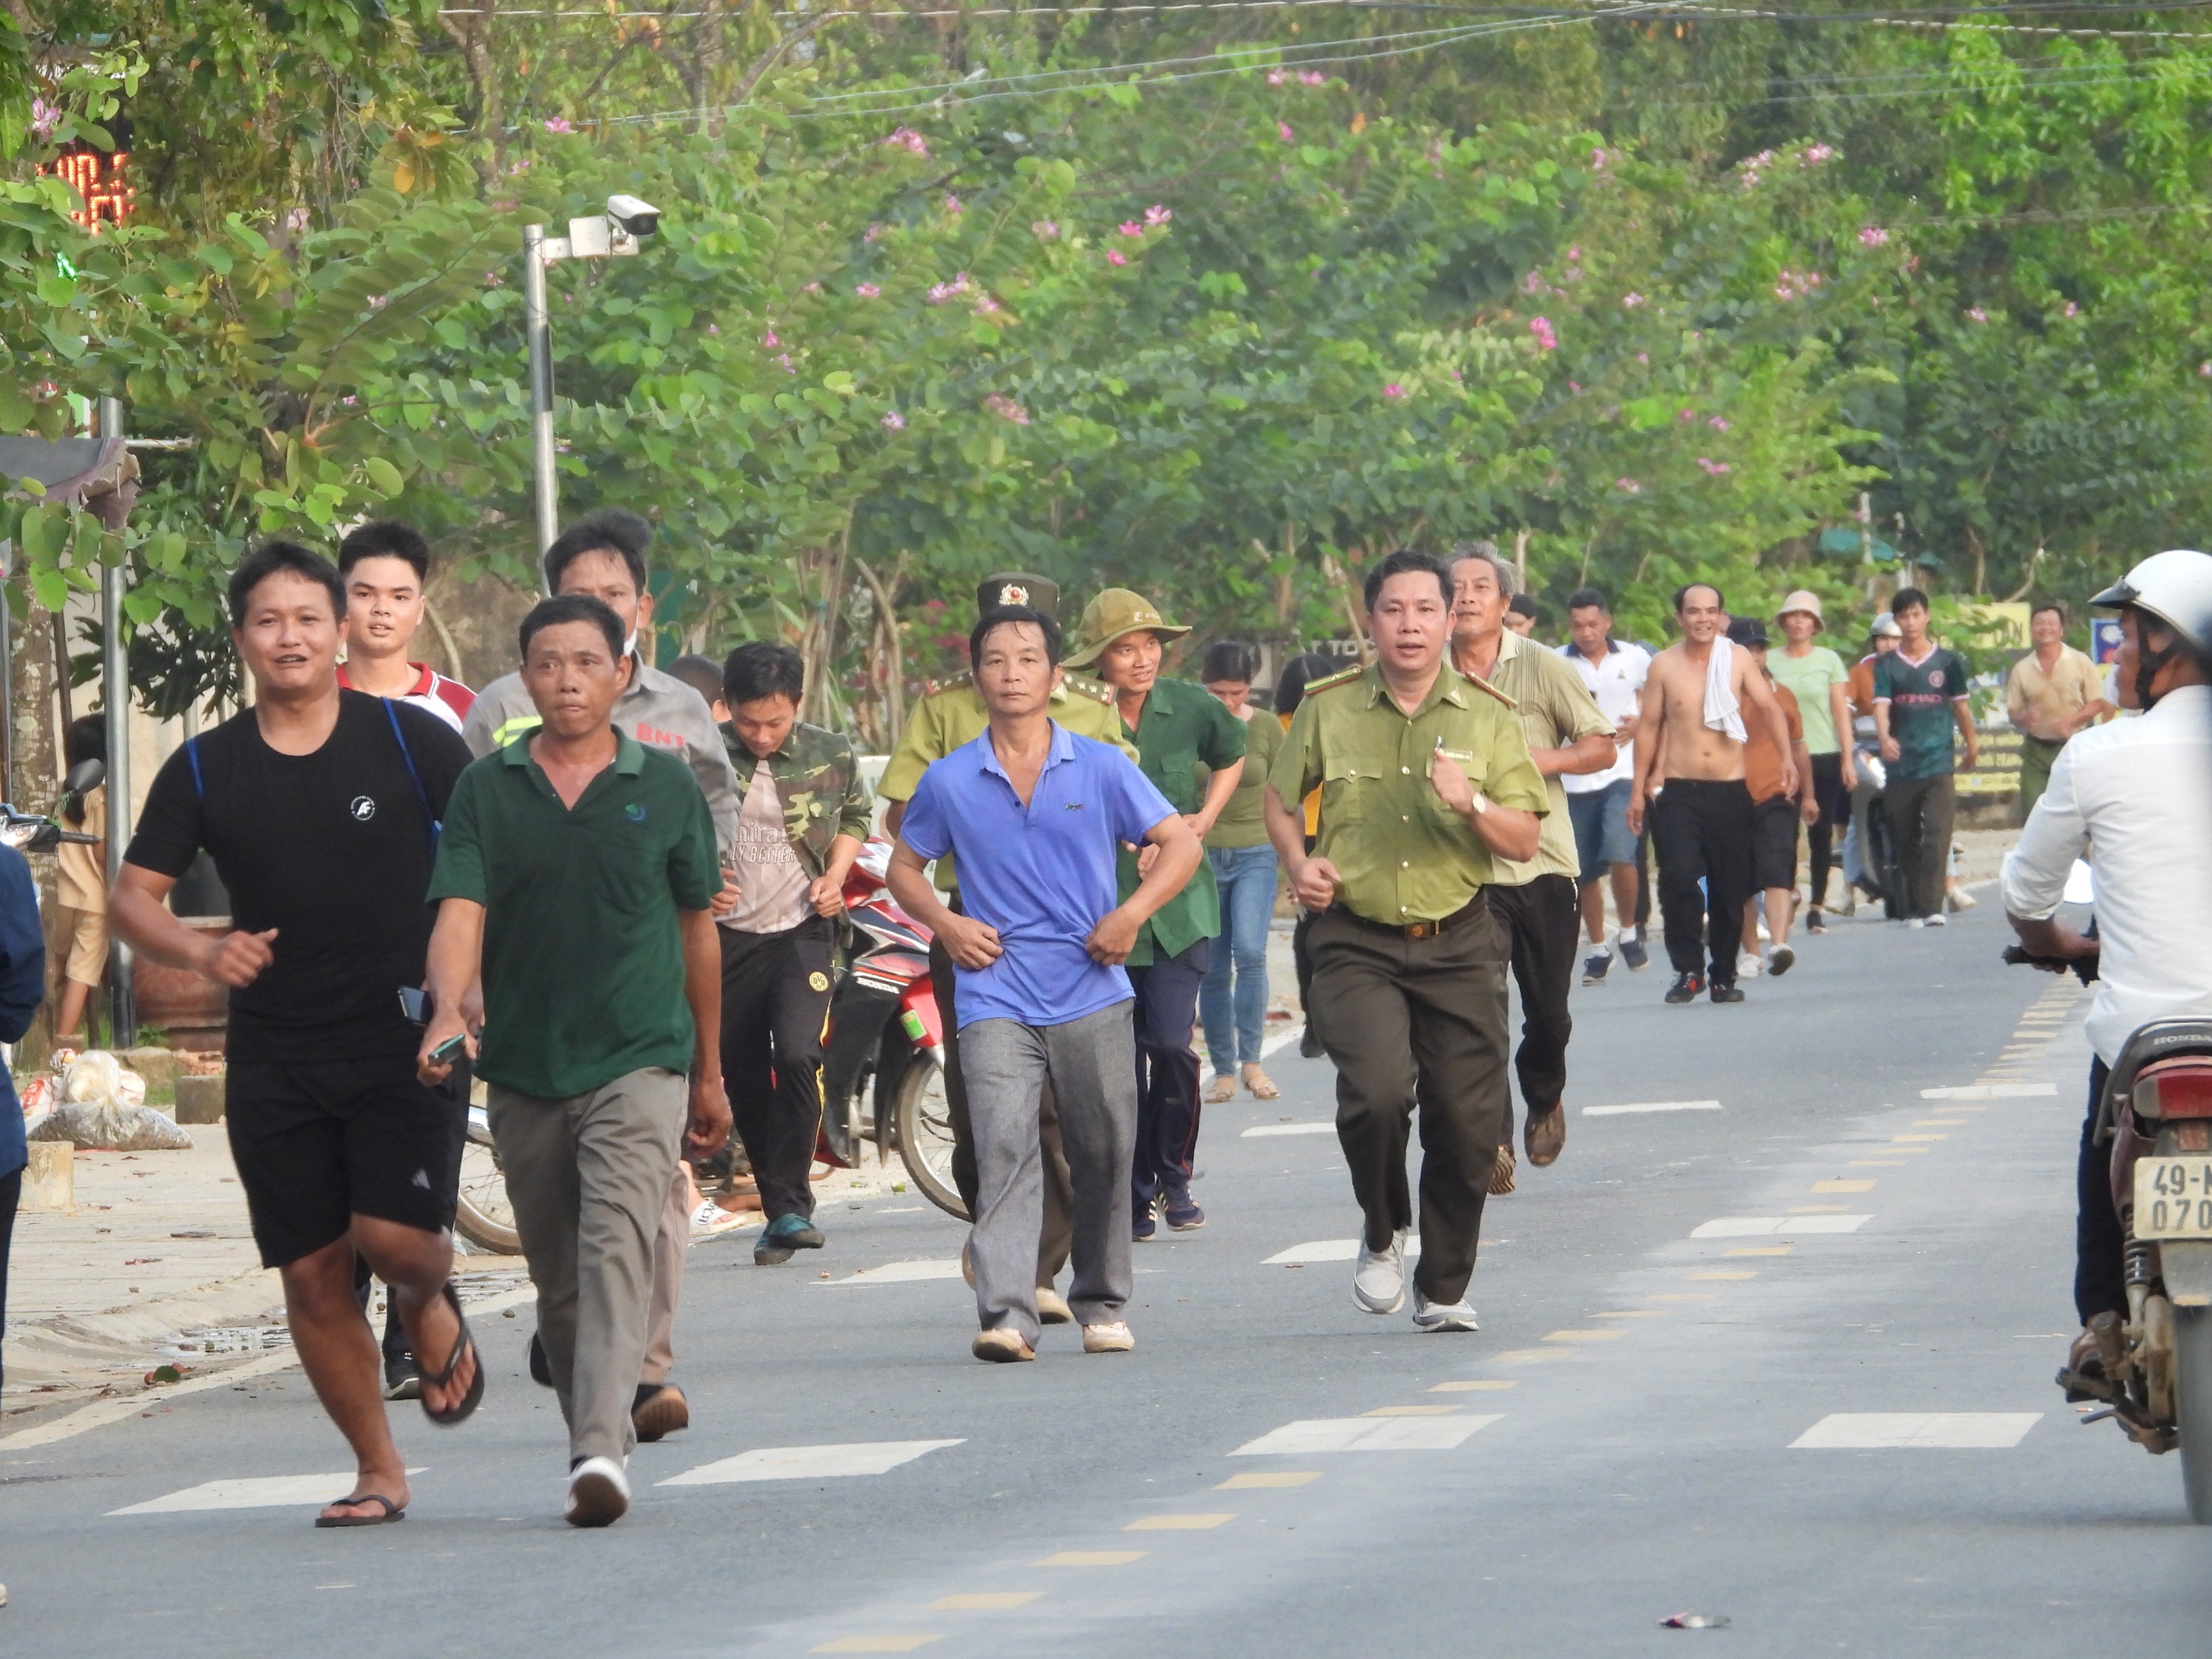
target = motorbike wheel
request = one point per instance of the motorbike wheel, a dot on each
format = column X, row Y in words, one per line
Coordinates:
column 925, row 1132
column 2193, row 1362
column 484, row 1216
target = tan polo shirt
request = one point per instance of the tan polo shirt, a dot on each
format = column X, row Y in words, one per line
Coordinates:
column 2036, row 702
column 1555, row 709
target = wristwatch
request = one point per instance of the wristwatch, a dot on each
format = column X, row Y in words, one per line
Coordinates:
column 1481, row 803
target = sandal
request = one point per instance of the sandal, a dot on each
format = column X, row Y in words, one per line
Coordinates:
column 1261, row 1086
column 464, row 1345
column 1223, row 1087
column 392, row 1512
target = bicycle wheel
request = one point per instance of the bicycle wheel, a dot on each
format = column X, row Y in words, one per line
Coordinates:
column 484, row 1216
column 925, row 1132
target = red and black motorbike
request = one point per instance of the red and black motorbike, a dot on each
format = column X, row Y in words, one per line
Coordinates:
column 882, row 1067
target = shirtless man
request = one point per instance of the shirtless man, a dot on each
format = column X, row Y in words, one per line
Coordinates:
column 1691, row 735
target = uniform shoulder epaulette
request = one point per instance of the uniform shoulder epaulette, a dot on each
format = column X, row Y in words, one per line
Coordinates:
column 1330, row 681
column 1084, row 686
column 959, row 682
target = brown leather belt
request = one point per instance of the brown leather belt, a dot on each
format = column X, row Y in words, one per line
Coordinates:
column 1473, row 907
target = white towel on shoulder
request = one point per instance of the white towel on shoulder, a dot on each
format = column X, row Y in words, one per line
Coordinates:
column 1722, row 714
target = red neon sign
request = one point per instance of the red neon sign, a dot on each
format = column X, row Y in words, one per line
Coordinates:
column 103, row 181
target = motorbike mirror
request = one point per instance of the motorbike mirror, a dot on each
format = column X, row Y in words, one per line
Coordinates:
column 87, row 773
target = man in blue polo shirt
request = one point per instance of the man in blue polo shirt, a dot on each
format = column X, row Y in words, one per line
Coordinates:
column 1035, row 814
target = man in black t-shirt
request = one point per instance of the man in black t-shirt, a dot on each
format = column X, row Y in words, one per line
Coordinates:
column 321, row 807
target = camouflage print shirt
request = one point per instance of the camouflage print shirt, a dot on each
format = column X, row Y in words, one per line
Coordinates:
column 818, row 781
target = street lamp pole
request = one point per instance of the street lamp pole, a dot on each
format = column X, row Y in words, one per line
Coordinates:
column 539, row 330
column 115, row 692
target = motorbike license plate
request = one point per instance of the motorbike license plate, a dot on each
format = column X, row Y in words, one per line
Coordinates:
column 2173, row 1198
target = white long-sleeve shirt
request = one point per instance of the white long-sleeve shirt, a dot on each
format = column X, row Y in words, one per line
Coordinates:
column 2134, row 798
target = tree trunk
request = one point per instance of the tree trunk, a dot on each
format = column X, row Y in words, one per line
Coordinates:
column 1981, row 563
column 887, row 669
column 821, row 573
column 471, row 32
column 37, row 750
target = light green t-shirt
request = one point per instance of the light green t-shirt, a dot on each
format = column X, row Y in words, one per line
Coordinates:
column 1808, row 678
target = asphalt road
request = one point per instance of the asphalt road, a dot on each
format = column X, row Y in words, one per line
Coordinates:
column 1618, row 1444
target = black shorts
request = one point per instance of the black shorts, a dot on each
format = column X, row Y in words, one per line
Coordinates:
column 1774, row 843
column 317, row 1145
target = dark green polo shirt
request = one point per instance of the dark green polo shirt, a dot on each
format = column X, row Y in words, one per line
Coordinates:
column 1181, row 727
column 583, row 963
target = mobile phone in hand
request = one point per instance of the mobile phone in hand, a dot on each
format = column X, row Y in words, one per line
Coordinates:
column 415, row 1004
column 450, row 1050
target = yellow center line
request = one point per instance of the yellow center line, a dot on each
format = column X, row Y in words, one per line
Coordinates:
column 1842, row 1187
column 1272, row 1477
column 1517, row 1356
column 1584, row 1336
column 1178, row 1522
column 1907, row 1141
column 1470, row 1385
column 983, row 1600
column 1758, row 1250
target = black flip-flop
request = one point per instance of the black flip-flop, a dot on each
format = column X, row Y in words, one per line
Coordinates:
column 392, row 1512
column 464, row 1343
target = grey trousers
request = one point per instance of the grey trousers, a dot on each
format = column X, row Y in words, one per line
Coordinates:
column 1092, row 1064
column 588, row 1177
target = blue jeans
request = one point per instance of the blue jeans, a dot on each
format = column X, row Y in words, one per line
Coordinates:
column 1235, row 1022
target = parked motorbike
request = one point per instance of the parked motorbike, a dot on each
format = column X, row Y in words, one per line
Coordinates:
column 1877, row 874
column 883, row 1070
column 26, row 832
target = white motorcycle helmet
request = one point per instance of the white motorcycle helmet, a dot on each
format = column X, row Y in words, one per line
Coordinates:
column 2175, row 587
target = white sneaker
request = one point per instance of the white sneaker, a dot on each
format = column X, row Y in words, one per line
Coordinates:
column 1378, row 1278
column 1114, row 1338
column 1442, row 1315
column 1961, row 899
column 1938, row 919
column 1748, row 966
column 599, row 1493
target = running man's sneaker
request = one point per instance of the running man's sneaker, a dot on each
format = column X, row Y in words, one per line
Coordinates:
column 1378, row 1278
column 1727, row 993
column 1143, row 1227
column 1052, row 1307
column 785, row 1234
column 1116, row 1338
column 1815, row 922
column 1182, row 1215
column 403, row 1377
column 1684, row 988
column 599, row 1493
column 1961, row 899
column 1748, row 964
column 1938, row 919
column 1442, row 1315
column 1001, row 1346
column 1594, row 967
column 1633, row 953
column 1781, row 960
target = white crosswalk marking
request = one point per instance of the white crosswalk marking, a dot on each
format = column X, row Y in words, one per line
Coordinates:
column 1652, row 1106
column 1328, row 1250
column 1260, row 1130
column 264, row 1493
column 897, row 1273
column 1990, row 1091
column 1778, row 1226
column 1336, row 1434
column 808, row 1462
column 1885, row 1430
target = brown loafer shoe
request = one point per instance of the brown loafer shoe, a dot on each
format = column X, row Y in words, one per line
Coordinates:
column 1501, row 1172
column 1547, row 1136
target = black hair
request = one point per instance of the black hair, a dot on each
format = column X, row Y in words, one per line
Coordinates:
column 1683, row 592
column 1297, row 674
column 2053, row 606
column 1746, row 630
column 1584, row 598
column 1230, row 660
column 698, row 673
column 1521, row 605
column 610, row 529
column 1905, row 599
column 1401, row 562
column 572, row 608
column 764, row 668
column 384, row 539
column 998, row 616
column 276, row 558
column 85, row 739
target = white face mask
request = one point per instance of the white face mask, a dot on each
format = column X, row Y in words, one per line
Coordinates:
column 629, row 645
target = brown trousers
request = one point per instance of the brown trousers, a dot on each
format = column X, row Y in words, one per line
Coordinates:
column 1058, row 1237
column 1416, row 1023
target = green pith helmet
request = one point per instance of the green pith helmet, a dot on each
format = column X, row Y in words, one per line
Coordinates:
column 1115, row 613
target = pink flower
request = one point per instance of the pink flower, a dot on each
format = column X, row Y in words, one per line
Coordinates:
column 1716, row 423
column 1643, row 357
column 714, row 329
column 1130, row 228
column 2205, row 369
column 296, row 220
column 811, row 288
column 1393, row 392
column 1275, row 77
column 1976, row 314
column 1006, row 408
column 894, row 421
column 1044, row 229
column 1597, row 161
column 560, row 123
column 867, row 291
column 1628, row 486
column 1873, row 236
column 872, row 233
column 378, row 301
column 952, row 203
column 1547, row 340
column 45, row 116
column 987, row 307
column 1283, row 131
column 1713, row 469
column 1116, row 257
column 1574, row 386
column 2071, row 310
column 1817, row 154
column 785, row 359
column 1157, row 215
column 1686, row 414
column 907, row 138
column 941, row 292
column 1630, row 302
column 770, row 339
column 1314, row 78
column 1574, row 253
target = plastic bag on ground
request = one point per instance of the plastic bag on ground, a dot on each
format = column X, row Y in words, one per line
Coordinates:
column 103, row 1108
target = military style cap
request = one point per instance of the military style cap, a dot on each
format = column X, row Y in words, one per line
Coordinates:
column 1019, row 587
column 1115, row 613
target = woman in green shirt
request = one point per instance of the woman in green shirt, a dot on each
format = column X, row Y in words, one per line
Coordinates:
column 1817, row 677
column 1232, row 999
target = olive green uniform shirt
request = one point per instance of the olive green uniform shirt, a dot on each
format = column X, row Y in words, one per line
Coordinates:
column 1401, row 855
column 1556, row 710
column 1242, row 822
column 953, row 714
column 1180, row 728
column 818, row 783
column 583, row 954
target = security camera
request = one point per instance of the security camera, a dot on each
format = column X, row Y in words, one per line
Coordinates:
column 637, row 218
